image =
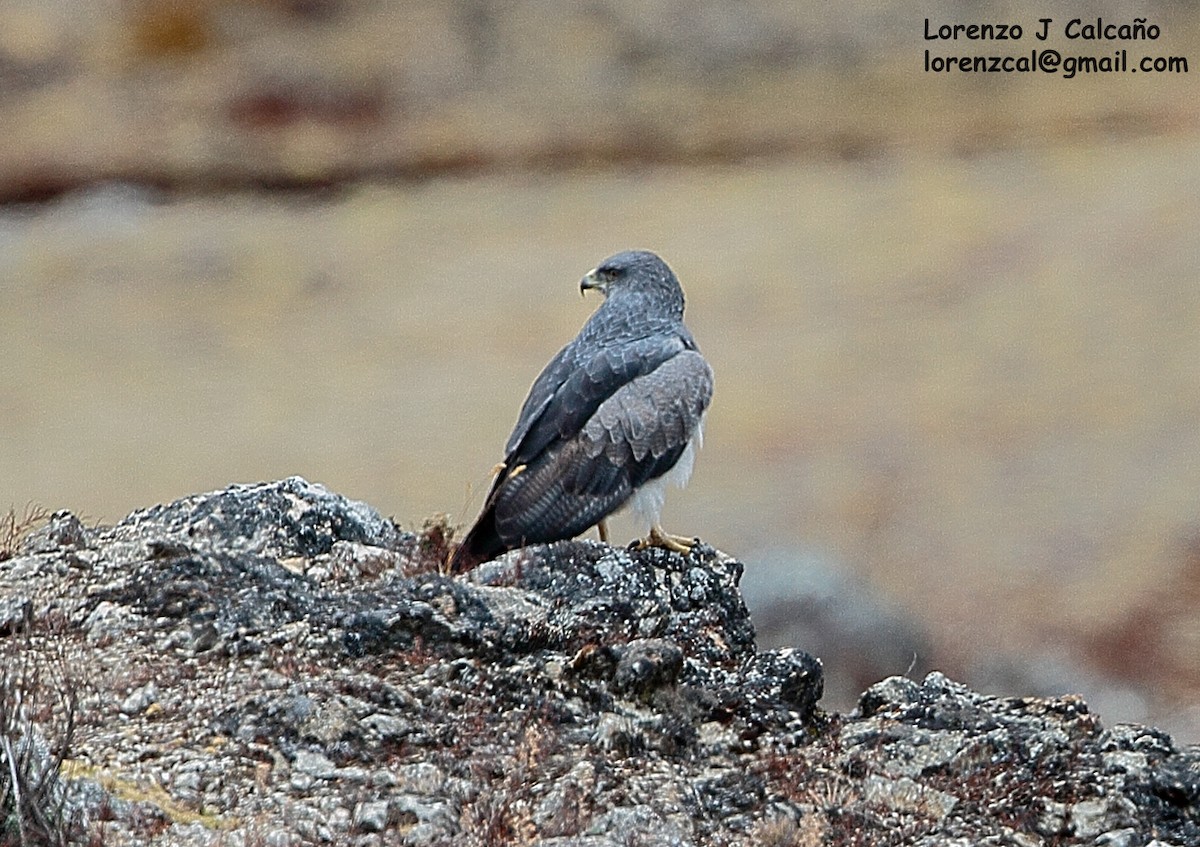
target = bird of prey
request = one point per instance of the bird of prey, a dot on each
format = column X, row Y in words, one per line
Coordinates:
column 613, row 418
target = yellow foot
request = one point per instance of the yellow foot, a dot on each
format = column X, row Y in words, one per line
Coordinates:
column 658, row 538
column 602, row 528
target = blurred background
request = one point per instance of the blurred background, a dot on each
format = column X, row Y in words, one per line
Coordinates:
column 955, row 319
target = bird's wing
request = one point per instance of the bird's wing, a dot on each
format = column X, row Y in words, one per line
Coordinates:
column 574, row 385
column 635, row 434
column 645, row 426
column 547, row 384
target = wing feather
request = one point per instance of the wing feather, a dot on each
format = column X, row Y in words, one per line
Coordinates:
column 569, row 392
column 635, row 435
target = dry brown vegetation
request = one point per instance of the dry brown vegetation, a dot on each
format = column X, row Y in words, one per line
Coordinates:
column 14, row 527
column 39, row 709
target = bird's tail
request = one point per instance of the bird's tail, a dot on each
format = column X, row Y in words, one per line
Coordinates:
column 479, row 545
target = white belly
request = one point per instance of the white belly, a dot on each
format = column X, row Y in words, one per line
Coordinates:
column 646, row 504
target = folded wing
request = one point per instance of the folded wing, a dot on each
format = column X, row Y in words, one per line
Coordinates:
column 635, row 433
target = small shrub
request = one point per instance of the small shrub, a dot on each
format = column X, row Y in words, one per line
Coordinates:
column 38, row 711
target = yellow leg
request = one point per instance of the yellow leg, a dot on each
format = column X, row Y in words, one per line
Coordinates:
column 602, row 527
column 658, row 538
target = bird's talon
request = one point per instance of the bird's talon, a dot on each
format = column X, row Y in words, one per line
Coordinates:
column 674, row 543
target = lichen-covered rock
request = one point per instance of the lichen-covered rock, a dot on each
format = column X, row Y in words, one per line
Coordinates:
column 276, row 664
column 1041, row 767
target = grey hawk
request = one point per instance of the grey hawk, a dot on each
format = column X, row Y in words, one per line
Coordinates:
column 613, row 418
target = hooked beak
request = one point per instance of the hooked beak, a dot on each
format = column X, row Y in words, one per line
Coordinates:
column 592, row 280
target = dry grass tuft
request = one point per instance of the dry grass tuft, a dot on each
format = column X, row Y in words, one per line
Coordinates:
column 14, row 528
column 785, row 832
column 434, row 545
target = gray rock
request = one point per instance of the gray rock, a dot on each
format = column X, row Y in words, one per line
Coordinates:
column 435, row 816
column 646, row 664
column 63, row 531
column 110, row 621
column 16, row 614
column 1090, row 818
column 420, row 778
column 371, row 817
column 643, row 825
column 313, row 764
column 285, row 519
column 341, row 819
column 139, row 699
column 618, row 733
column 572, row 695
column 1120, row 838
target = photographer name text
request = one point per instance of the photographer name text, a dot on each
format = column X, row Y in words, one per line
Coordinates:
column 1078, row 32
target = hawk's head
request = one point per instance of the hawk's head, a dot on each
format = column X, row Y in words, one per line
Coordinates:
column 637, row 274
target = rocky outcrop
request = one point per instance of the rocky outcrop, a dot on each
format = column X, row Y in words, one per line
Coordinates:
column 276, row 664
